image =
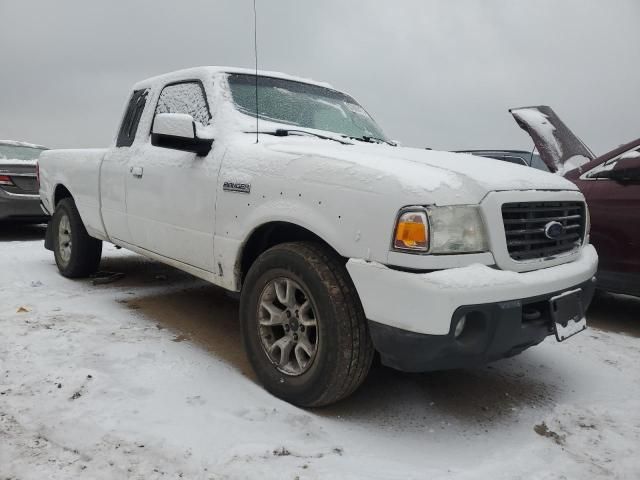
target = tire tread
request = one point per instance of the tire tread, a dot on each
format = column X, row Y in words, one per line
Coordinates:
column 356, row 351
column 86, row 250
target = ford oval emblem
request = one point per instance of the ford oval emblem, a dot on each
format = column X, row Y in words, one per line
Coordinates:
column 553, row 230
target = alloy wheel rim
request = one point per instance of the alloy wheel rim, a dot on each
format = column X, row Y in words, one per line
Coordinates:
column 288, row 326
column 64, row 239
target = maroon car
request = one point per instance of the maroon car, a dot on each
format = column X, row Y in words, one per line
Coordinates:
column 611, row 185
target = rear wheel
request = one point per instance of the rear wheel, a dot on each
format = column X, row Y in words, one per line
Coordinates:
column 76, row 253
column 303, row 326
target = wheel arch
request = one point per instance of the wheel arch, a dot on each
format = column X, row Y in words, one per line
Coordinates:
column 59, row 193
column 268, row 235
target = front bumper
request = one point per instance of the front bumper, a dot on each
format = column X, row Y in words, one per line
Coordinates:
column 413, row 307
column 492, row 331
column 21, row 207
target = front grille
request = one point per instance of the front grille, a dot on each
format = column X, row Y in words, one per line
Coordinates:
column 524, row 226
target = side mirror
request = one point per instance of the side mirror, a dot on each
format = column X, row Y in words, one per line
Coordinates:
column 178, row 131
column 626, row 169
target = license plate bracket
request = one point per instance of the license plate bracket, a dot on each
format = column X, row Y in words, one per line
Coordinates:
column 567, row 314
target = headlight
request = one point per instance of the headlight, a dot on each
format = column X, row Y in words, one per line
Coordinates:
column 457, row 230
column 440, row 230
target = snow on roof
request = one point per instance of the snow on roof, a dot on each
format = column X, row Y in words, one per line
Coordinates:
column 15, row 143
column 207, row 71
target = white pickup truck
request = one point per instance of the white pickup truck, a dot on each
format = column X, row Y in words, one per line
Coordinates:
column 340, row 242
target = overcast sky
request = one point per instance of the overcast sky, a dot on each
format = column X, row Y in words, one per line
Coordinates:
column 432, row 73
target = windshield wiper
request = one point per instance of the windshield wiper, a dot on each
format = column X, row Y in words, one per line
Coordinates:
column 285, row 132
column 370, row 139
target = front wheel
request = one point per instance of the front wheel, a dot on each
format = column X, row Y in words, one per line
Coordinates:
column 76, row 253
column 303, row 326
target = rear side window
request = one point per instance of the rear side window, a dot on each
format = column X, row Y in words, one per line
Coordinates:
column 132, row 118
column 185, row 97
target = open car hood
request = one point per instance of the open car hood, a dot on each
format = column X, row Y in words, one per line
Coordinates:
column 559, row 148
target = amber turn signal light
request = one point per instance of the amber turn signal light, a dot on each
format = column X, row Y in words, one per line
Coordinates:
column 412, row 232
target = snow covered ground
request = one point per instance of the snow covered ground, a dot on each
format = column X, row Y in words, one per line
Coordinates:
column 145, row 378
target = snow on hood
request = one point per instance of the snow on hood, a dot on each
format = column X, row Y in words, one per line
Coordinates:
column 420, row 171
column 558, row 146
column 423, row 175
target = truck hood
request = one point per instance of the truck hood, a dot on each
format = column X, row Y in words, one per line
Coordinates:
column 424, row 175
column 559, row 148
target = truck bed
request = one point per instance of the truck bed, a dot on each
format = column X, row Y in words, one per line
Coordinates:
column 78, row 171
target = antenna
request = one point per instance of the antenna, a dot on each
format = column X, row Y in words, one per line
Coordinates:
column 255, row 52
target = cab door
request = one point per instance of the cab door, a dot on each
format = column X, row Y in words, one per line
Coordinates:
column 114, row 168
column 615, row 219
column 171, row 193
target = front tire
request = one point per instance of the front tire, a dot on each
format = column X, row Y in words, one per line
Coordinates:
column 303, row 326
column 76, row 253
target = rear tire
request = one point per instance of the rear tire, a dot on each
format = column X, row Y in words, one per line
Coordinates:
column 76, row 253
column 303, row 326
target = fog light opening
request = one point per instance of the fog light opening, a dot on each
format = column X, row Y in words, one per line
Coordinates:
column 471, row 328
column 460, row 326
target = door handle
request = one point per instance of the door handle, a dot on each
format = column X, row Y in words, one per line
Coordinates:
column 136, row 171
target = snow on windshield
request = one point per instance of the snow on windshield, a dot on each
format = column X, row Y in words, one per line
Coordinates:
column 302, row 105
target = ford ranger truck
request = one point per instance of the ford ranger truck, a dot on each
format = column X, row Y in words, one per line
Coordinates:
column 340, row 243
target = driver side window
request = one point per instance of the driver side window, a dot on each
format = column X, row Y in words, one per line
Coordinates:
column 185, row 97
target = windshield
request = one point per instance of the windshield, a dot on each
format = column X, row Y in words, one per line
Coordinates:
column 302, row 105
column 536, row 162
column 519, row 158
column 16, row 152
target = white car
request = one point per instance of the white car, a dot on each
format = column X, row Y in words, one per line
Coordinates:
column 340, row 242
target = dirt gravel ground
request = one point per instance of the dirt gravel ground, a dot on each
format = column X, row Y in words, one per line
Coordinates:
column 155, row 359
column 615, row 313
column 187, row 313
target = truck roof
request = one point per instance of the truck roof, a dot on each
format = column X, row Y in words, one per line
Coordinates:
column 207, row 71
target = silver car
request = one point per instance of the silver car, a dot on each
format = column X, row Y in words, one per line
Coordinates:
column 19, row 199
